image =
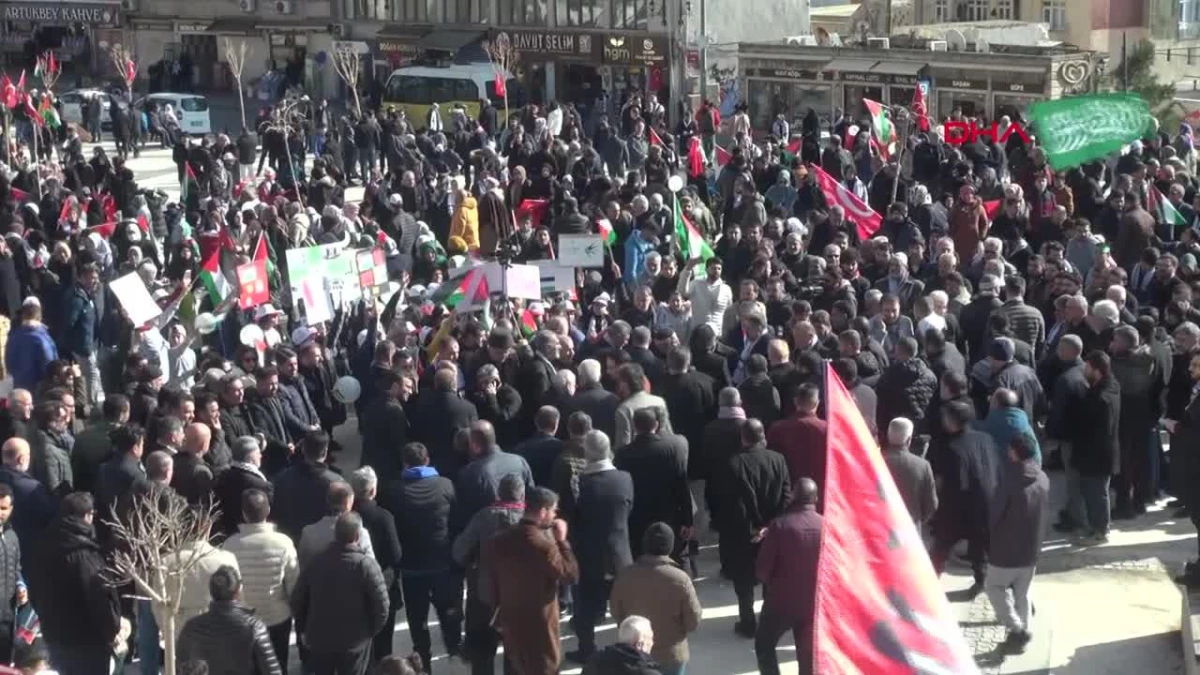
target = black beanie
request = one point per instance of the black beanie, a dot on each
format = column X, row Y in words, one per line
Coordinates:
column 659, row 540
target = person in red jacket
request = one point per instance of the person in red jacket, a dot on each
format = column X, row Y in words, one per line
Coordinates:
column 801, row 439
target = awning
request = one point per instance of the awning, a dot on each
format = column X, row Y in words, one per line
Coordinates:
column 449, row 40
column 847, row 65
column 898, row 67
column 234, row 25
column 395, row 31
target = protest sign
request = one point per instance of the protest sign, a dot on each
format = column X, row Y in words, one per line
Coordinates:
column 135, row 299
column 581, row 250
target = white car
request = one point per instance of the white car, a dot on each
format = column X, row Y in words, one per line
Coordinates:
column 72, row 106
column 190, row 109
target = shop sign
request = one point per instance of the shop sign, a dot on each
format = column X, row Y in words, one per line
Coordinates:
column 1019, row 87
column 962, row 83
column 903, row 80
column 865, row 78
column 96, row 15
column 547, row 46
column 786, row 73
column 630, row 50
column 192, row 28
column 398, row 48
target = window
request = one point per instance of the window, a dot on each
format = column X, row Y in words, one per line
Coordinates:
column 973, row 10
column 941, row 11
column 409, row 89
column 1004, row 9
column 1054, row 12
column 194, row 104
column 465, row 11
column 522, row 13
column 583, row 13
column 630, row 14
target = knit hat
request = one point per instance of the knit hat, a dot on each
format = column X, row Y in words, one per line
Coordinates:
column 1001, row 349
column 658, row 540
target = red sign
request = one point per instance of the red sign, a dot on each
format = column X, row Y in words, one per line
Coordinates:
column 857, row 211
column 880, row 608
column 961, row 133
column 252, row 278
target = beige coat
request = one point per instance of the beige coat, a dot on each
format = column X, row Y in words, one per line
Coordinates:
column 654, row 587
column 195, row 598
column 267, row 559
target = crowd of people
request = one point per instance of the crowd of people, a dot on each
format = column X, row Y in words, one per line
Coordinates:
column 528, row 460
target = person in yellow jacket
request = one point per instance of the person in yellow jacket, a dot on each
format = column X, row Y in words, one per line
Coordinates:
column 465, row 223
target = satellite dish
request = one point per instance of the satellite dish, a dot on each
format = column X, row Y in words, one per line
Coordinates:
column 347, row 389
column 823, row 37
column 206, row 323
column 955, row 41
column 982, row 46
column 675, row 183
column 252, row 336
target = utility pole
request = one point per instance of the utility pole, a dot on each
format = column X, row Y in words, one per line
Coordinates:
column 702, row 43
column 1124, row 63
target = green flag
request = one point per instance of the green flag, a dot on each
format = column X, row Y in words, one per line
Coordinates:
column 1079, row 129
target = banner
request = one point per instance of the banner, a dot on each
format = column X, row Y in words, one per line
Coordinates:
column 252, row 282
column 880, row 609
column 1080, row 129
column 137, row 302
column 581, row 250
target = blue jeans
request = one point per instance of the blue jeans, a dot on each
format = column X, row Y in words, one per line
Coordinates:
column 147, row 639
column 1096, row 501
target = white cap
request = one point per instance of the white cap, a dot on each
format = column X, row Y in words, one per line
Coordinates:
column 604, row 298
column 264, row 311
column 303, row 335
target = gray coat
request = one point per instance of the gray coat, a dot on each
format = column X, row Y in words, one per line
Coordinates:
column 1019, row 515
column 51, row 461
column 914, row 480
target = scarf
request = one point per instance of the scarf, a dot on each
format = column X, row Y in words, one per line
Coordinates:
column 597, row 467
column 731, row 413
column 419, row 472
column 247, row 466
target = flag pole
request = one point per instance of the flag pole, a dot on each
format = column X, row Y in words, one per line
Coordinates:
column 902, row 142
column 37, row 174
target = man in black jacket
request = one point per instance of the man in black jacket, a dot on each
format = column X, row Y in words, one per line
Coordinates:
column 424, row 501
column 541, row 449
column 593, row 399
column 753, row 487
column 10, row 572
column 266, row 416
column 600, row 536
column 229, row 638
column 340, row 603
column 440, row 413
column 243, row 474
column 93, row 446
column 79, row 610
column 658, row 467
column 385, row 428
column 119, row 475
column 302, row 488
column 1095, row 446
column 192, row 478
column 381, row 525
column 34, row 504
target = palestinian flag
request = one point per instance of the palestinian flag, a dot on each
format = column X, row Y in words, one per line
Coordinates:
column 691, row 242
column 464, row 293
column 881, row 124
column 790, row 151
column 189, row 177
column 605, row 228
column 262, row 252
column 48, row 113
column 1165, row 211
column 214, row 279
column 529, row 324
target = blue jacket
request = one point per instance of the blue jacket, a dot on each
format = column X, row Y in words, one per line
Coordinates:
column 81, row 324
column 30, row 349
column 1006, row 424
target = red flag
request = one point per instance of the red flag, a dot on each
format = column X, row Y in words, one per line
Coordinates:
column 499, row 85
column 533, row 209
column 130, row 70
column 723, row 155
column 109, row 206
column 18, row 194
column 919, row 110
column 654, row 138
column 105, row 230
column 992, row 208
column 51, row 63
column 879, row 607
column 143, row 223
column 64, row 214
column 794, row 145
column 695, row 158
column 9, row 91
column 857, row 211
column 21, row 83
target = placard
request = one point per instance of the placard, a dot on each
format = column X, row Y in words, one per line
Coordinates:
column 252, row 282
column 137, row 302
column 554, row 277
column 581, row 250
column 524, row 282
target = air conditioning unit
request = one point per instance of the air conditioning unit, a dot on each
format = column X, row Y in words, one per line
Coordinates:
column 879, row 43
column 284, row 6
column 129, row 5
column 938, row 46
column 247, row 6
column 337, row 30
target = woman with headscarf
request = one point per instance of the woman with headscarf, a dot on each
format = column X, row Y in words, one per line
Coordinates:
column 968, row 225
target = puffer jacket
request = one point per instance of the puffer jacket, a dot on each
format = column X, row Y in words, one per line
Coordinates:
column 269, row 566
column 52, row 461
column 904, row 390
column 10, row 569
column 231, row 640
column 341, row 600
column 195, row 598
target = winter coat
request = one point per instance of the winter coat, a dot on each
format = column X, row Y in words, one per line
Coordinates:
column 80, row 326
column 29, row 351
column 1020, row 515
column 422, row 503
column 526, row 568
column 787, row 562
column 969, row 470
column 622, row 659
column 34, row 507
column 231, row 639
column 301, row 496
column 655, row 588
column 478, row 484
column 77, row 607
column 469, row 546
column 340, row 601
column 51, row 460
column 658, row 466
column 194, row 599
column 914, row 480
column 754, row 488
column 320, row 536
column 801, row 441
column 904, row 390
column 599, row 404
column 269, row 566
column 1004, row 425
column 691, row 402
column 623, row 432
column 192, row 478
column 1095, row 446
column 601, row 529
column 968, row 228
column 227, row 494
column 465, row 222
column 760, row 399
column 299, row 414
column 385, row 433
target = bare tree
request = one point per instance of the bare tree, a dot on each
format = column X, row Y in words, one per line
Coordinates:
column 348, row 64
column 123, row 59
column 236, row 55
column 503, row 57
column 161, row 541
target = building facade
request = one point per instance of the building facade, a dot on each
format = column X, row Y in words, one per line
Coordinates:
column 791, row 79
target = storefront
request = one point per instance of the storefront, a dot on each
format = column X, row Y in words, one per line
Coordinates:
column 1013, row 91
column 636, row 63
column 79, row 35
column 958, row 90
column 557, row 64
column 788, row 91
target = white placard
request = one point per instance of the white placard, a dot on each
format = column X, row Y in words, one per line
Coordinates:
column 581, row 250
column 554, row 277
column 135, row 299
column 524, row 282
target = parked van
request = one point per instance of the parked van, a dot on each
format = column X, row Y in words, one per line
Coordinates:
column 414, row 89
column 191, row 110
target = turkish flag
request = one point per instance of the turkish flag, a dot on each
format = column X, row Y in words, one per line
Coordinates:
column 880, row 609
column 918, row 109
column 499, row 84
column 857, row 211
column 252, row 278
column 992, row 208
